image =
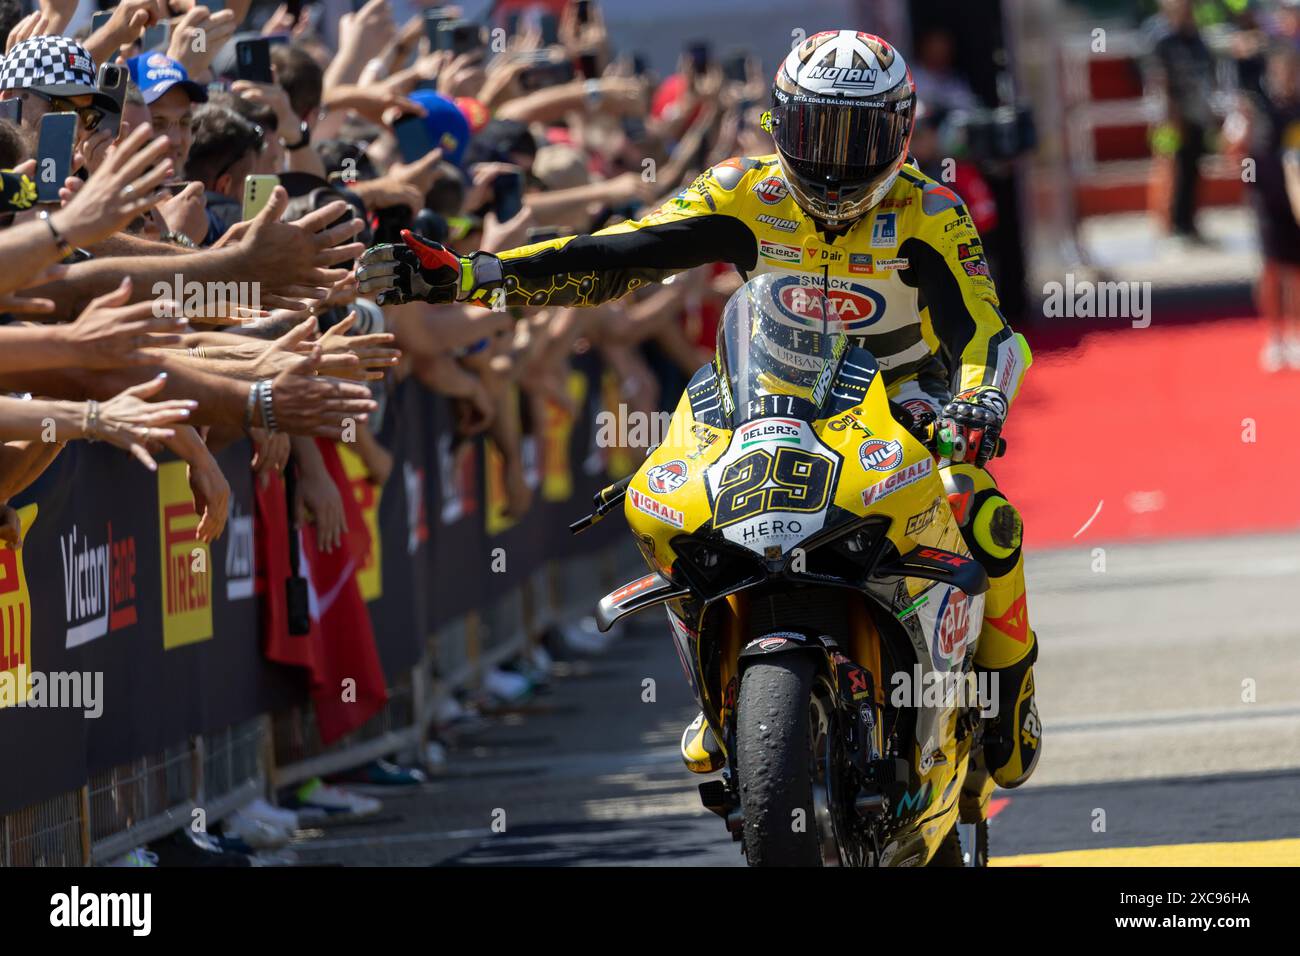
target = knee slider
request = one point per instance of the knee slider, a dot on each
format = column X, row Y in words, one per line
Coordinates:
column 997, row 526
column 994, row 533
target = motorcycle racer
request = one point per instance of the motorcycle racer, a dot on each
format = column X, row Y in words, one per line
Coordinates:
column 897, row 254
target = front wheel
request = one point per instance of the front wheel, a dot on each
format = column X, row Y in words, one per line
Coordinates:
column 774, row 762
column 791, row 768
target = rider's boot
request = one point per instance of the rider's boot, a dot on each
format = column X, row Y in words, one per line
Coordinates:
column 1012, row 737
column 700, row 750
column 1004, row 659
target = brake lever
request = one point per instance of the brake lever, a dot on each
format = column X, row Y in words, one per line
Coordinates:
column 604, row 501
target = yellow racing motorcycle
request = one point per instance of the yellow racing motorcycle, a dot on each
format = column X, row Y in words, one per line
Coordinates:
column 822, row 601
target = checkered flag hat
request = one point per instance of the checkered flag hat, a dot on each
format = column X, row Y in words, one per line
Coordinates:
column 53, row 65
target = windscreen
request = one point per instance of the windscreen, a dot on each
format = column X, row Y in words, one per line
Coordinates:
column 779, row 345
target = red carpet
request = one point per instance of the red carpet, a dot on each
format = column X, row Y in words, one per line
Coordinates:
column 1159, row 417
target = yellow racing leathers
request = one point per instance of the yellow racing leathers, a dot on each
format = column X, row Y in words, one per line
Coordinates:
column 910, row 281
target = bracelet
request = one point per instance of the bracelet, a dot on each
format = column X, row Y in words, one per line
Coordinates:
column 179, row 239
column 304, row 139
column 251, row 406
column 90, row 424
column 268, row 410
column 64, row 247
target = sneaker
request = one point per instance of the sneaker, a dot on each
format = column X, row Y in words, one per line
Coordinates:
column 233, row 844
column 139, row 857
column 541, row 658
column 456, row 715
column 584, row 637
column 335, row 802
column 507, row 687
column 435, row 756
column 383, row 773
column 279, row 816
column 189, row 848
column 274, row 858
column 255, row 832
column 448, row 711
column 523, row 665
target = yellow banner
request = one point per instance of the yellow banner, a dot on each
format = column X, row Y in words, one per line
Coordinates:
column 557, row 433
column 186, row 562
column 370, row 575
column 15, row 619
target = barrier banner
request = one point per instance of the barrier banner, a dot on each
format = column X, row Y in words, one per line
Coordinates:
column 394, row 573
column 136, row 635
column 122, row 635
column 458, row 552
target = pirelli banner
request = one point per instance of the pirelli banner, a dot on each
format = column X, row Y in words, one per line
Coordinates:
column 121, row 634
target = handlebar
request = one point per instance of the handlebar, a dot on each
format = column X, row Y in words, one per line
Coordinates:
column 603, row 501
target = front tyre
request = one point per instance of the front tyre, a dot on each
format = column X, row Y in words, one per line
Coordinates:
column 775, row 761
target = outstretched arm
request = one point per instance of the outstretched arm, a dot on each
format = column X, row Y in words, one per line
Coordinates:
column 689, row 230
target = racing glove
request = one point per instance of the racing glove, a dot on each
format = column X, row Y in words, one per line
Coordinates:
column 972, row 422
column 421, row 269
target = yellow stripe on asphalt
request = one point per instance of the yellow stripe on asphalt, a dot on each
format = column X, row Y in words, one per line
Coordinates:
column 1256, row 853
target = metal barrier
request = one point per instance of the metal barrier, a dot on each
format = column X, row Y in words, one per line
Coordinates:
column 197, row 783
column 50, row 833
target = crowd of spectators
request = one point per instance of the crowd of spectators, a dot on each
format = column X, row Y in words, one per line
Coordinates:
column 187, row 189
column 1226, row 76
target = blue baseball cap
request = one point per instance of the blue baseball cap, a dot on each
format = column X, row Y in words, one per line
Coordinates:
column 156, row 73
column 447, row 126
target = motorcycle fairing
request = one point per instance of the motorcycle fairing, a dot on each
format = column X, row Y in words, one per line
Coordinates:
column 704, row 398
column 938, row 564
column 771, row 459
column 647, row 591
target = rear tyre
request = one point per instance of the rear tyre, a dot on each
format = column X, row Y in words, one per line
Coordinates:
column 982, row 843
column 774, row 762
column 951, row 852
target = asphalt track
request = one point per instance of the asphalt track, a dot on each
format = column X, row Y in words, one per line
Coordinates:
column 1169, row 687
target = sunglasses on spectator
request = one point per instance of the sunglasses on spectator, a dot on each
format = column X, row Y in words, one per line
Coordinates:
column 89, row 115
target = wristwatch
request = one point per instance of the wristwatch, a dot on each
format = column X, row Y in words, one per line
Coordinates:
column 304, row 141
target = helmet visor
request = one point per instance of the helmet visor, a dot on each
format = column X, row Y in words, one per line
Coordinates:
column 828, row 142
